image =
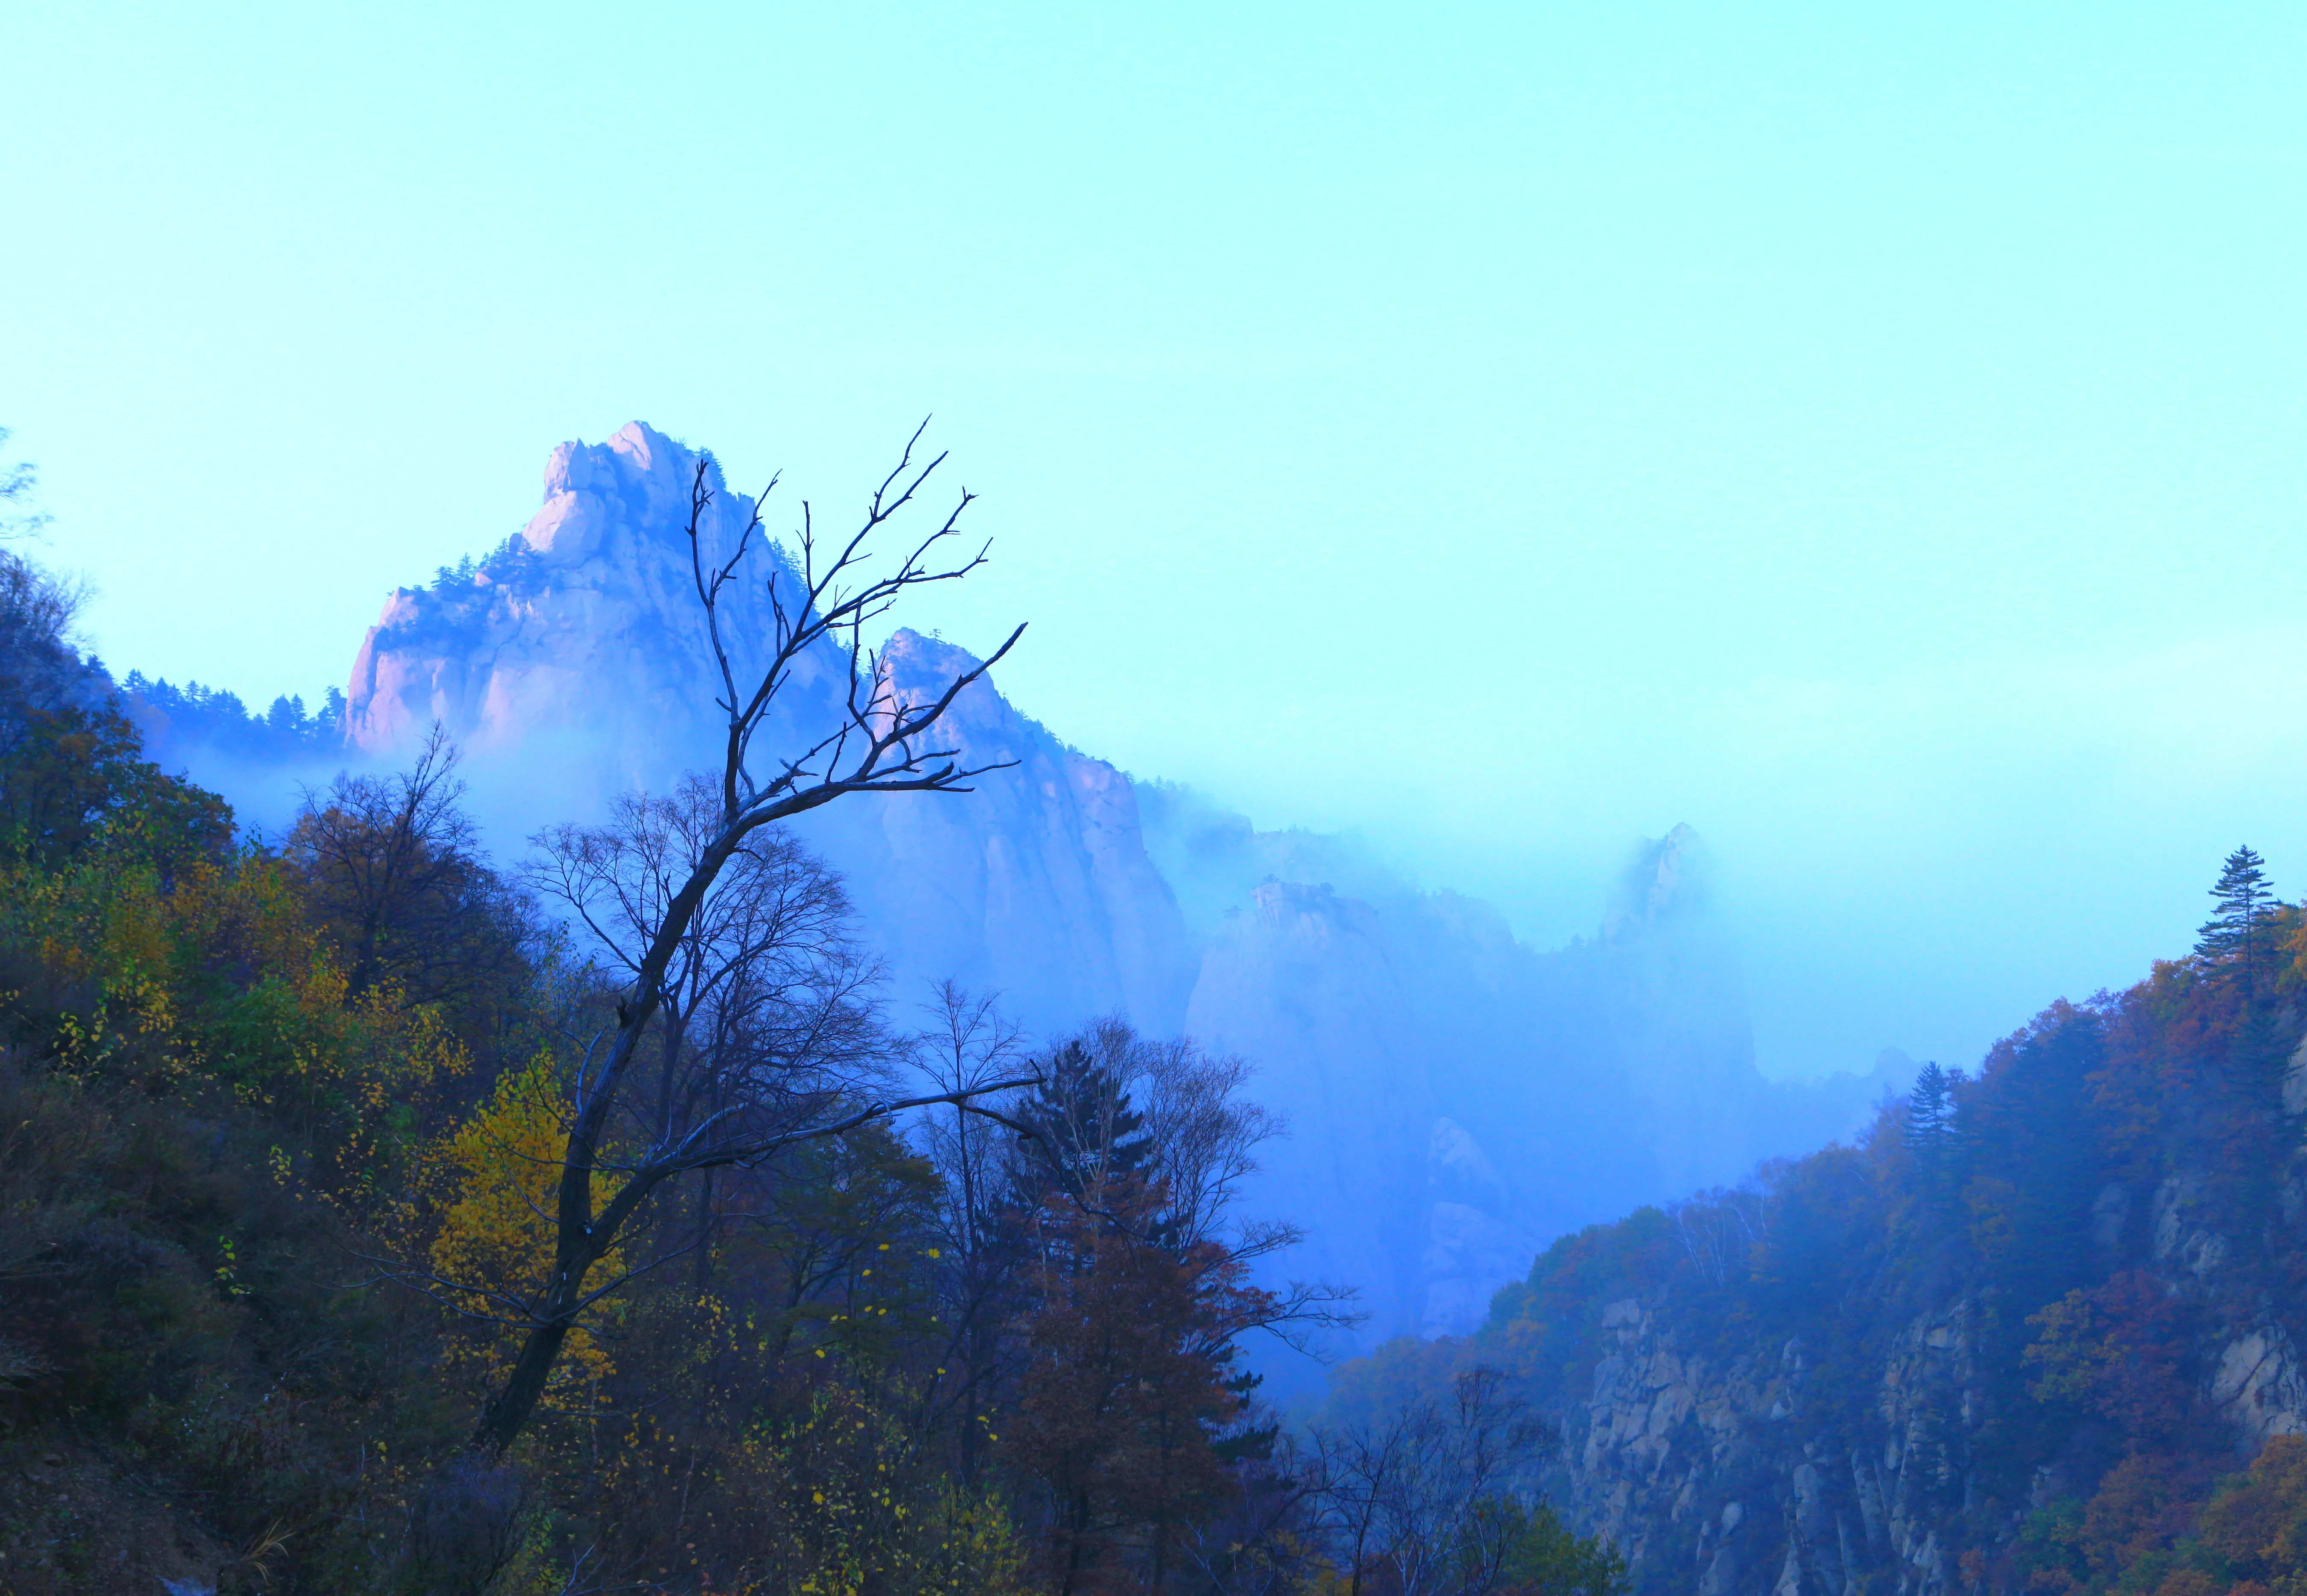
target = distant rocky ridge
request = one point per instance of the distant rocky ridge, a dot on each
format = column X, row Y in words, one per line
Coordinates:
column 1455, row 1097
column 2012, row 1357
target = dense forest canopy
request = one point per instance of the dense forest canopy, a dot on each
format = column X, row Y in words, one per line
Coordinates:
column 286, row 1158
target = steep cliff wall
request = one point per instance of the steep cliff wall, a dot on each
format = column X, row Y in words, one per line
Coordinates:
column 2011, row 1355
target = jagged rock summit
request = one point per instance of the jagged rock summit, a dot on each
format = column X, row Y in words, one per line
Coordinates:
column 581, row 628
column 575, row 655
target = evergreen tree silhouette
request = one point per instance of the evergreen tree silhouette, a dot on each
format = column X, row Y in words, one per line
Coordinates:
column 1930, row 1114
column 1090, row 1133
column 2235, row 938
column 1932, row 1132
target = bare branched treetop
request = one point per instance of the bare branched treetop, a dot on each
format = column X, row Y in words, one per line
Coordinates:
column 725, row 943
column 765, row 1024
column 19, row 484
column 835, row 595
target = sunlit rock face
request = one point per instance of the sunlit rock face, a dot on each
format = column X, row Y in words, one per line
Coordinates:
column 578, row 644
column 1455, row 1097
column 522, row 648
column 573, row 663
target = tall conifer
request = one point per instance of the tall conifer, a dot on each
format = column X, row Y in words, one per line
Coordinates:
column 1930, row 1113
column 1934, row 1131
column 1090, row 1130
column 2236, row 936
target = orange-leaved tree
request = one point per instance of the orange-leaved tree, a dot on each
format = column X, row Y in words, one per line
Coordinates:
column 1131, row 1413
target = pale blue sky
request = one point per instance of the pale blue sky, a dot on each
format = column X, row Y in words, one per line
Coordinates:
column 1872, row 435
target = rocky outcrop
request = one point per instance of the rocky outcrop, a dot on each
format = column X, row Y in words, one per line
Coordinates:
column 1764, row 1473
column 1473, row 1240
column 570, row 645
column 570, row 664
column 1704, row 1474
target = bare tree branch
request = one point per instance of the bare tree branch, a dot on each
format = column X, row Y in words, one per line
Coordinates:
column 755, row 1053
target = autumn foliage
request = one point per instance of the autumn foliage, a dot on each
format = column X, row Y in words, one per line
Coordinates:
column 2101, row 1225
column 281, row 1128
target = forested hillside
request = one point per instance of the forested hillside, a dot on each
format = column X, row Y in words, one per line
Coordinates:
column 2038, row 1332
column 377, row 1218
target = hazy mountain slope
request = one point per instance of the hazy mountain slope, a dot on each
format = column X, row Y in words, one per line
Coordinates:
column 2011, row 1352
column 1455, row 1097
column 1036, row 885
column 1506, row 1093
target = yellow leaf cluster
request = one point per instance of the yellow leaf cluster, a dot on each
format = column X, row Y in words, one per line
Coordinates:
column 860, row 1515
column 497, row 1178
column 218, row 974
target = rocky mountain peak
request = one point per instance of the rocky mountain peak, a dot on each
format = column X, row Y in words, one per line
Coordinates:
column 583, row 628
column 915, row 665
column 636, row 482
column 1666, row 881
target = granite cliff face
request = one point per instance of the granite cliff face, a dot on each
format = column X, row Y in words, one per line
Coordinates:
column 1037, row 886
column 572, row 646
column 1705, row 1472
column 1700, row 1474
column 1455, row 1097
column 570, row 664
column 2013, row 1354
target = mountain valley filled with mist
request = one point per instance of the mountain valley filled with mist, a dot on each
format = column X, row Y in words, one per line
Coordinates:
column 1384, row 1023
column 1378, row 800
column 676, row 1076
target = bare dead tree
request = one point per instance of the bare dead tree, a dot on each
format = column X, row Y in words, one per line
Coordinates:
column 881, row 741
column 966, row 1042
column 1356, row 1472
column 1410, row 1501
column 767, row 1014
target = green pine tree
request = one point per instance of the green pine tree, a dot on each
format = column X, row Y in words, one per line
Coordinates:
column 1929, row 1113
column 1932, row 1132
column 2235, row 939
column 1088, row 1129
